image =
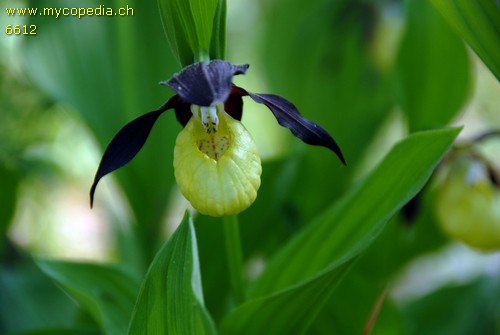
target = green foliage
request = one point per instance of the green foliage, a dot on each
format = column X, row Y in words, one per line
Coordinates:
column 340, row 88
column 478, row 23
column 353, row 301
column 109, row 85
column 11, row 179
column 171, row 297
column 289, row 311
column 432, row 62
column 352, row 304
column 29, row 300
column 106, row 292
column 349, row 226
column 308, row 273
column 459, row 309
column 58, row 331
column 322, row 243
column 194, row 28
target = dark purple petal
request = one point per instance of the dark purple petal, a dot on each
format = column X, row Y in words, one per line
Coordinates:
column 234, row 104
column 205, row 84
column 183, row 113
column 127, row 143
column 289, row 117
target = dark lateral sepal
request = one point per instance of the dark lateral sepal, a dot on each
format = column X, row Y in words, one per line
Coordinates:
column 289, row 117
column 205, row 84
column 127, row 143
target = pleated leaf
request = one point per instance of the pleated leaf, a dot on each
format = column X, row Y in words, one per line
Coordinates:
column 323, row 251
column 320, row 63
column 465, row 309
column 288, row 312
column 171, row 298
column 58, row 331
column 194, row 28
column 11, row 180
column 303, row 275
column 351, row 224
column 106, row 292
column 30, row 300
column 478, row 23
column 432, row 69
column 108, row 71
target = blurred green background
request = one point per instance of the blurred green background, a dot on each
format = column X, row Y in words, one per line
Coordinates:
column 370, row 72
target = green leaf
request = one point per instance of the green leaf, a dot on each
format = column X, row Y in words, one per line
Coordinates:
column 106, row 292
column 11, row 179
column 218, row 43
column 108, row 70
column 213, row 265
column 171, row 298
column 194, row 28
column 328, row 37
column 400, row 242
column 300, row 279
column 62, row 331
column 353, row 303
column 288, row 312
column 403, row 241
column 351, row 224
column 30, row 300
column 459, row 310
column 478, row 23
column 432, row 68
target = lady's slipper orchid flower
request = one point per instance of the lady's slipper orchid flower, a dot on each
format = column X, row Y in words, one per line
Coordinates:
column 216, row 163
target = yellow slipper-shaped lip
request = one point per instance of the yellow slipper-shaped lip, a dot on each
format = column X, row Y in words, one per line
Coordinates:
column 218, row 172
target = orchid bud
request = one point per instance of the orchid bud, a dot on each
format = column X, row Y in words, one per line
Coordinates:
column 468, row 204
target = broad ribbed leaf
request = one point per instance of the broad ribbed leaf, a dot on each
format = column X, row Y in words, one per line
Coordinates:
column 190, row 25
column 62, row 331
column 352, row 305
column 204, row 13
column 218, row 43
column 303, row 275
column 171, row 298
column 459, row 310
column 319, row 61
column 108, row 71
column 8, row 198
column 351, row 224
column 31, row 300
column 288, row 312
column 106, row 292
column 478, row 23
column 432, row 67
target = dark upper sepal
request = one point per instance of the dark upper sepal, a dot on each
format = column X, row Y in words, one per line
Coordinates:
column 128, row 142
column 289, row 117
column 205, row 84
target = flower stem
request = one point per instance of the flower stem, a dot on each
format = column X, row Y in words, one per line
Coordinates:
column 234, row 258
column 202, row 56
